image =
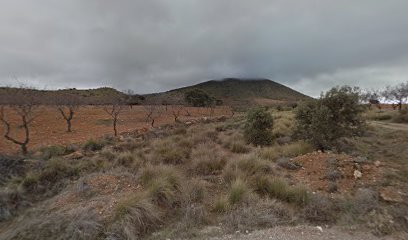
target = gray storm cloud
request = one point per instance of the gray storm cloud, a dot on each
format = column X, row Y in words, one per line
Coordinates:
column 157, row 45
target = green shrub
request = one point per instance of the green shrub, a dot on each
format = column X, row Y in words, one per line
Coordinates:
column 258, row 127
column 335, row 115
column 199, row 98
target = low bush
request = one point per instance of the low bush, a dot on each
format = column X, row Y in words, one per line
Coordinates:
column 258, row 127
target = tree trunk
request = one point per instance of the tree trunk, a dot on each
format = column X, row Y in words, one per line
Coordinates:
column 24, row 149
column 114, row 127
column 68, row 125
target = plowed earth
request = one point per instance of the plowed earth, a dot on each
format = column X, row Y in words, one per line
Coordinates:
column 49, row 128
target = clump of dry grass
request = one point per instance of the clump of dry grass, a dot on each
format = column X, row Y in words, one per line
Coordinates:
column 195, row 191
column 246, row 167
column 235, row 143
column 264, row 213
column 283, row 123
column 278, row 188
column 163, row 184
column 108, row 153
column 172, row 150
column 238, row 192
column 206, row 160
column 275, row 152
column 125, row 159
column 135, row 216
column 221, row 205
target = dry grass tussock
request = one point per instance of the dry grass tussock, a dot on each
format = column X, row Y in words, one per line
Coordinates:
column 294, row 149
column 207, row 159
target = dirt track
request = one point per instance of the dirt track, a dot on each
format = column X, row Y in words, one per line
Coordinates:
column 304, row 233
column 393, row 126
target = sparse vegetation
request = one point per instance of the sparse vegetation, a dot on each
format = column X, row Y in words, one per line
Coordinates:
column 178, row 180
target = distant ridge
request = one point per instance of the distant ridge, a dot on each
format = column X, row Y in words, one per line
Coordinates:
column 232, row 91
column 235, row 91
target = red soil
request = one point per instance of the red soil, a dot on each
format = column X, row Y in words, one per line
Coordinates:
column 315, row 168
column 49, row 128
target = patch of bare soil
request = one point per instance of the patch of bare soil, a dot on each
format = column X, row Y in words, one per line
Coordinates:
column 319, row 168
column 304, row 233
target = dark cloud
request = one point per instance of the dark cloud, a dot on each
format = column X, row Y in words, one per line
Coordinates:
column 157, row 45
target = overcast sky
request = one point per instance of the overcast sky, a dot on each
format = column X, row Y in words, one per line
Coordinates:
column 157, row 45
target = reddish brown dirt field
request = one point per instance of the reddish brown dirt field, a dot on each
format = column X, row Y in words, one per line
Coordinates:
column 315, row 168
column 49, row 128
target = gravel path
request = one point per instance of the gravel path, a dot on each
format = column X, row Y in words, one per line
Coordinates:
column 302, row 233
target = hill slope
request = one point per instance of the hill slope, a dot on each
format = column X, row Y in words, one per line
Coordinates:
column 88, row 96
column 233, row 91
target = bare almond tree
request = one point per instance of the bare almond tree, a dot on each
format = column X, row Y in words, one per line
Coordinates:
column 22, row 102
column 398, row 94
column 114, row 110
column 152, row 113
column 67, row 105
column 177, row 110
